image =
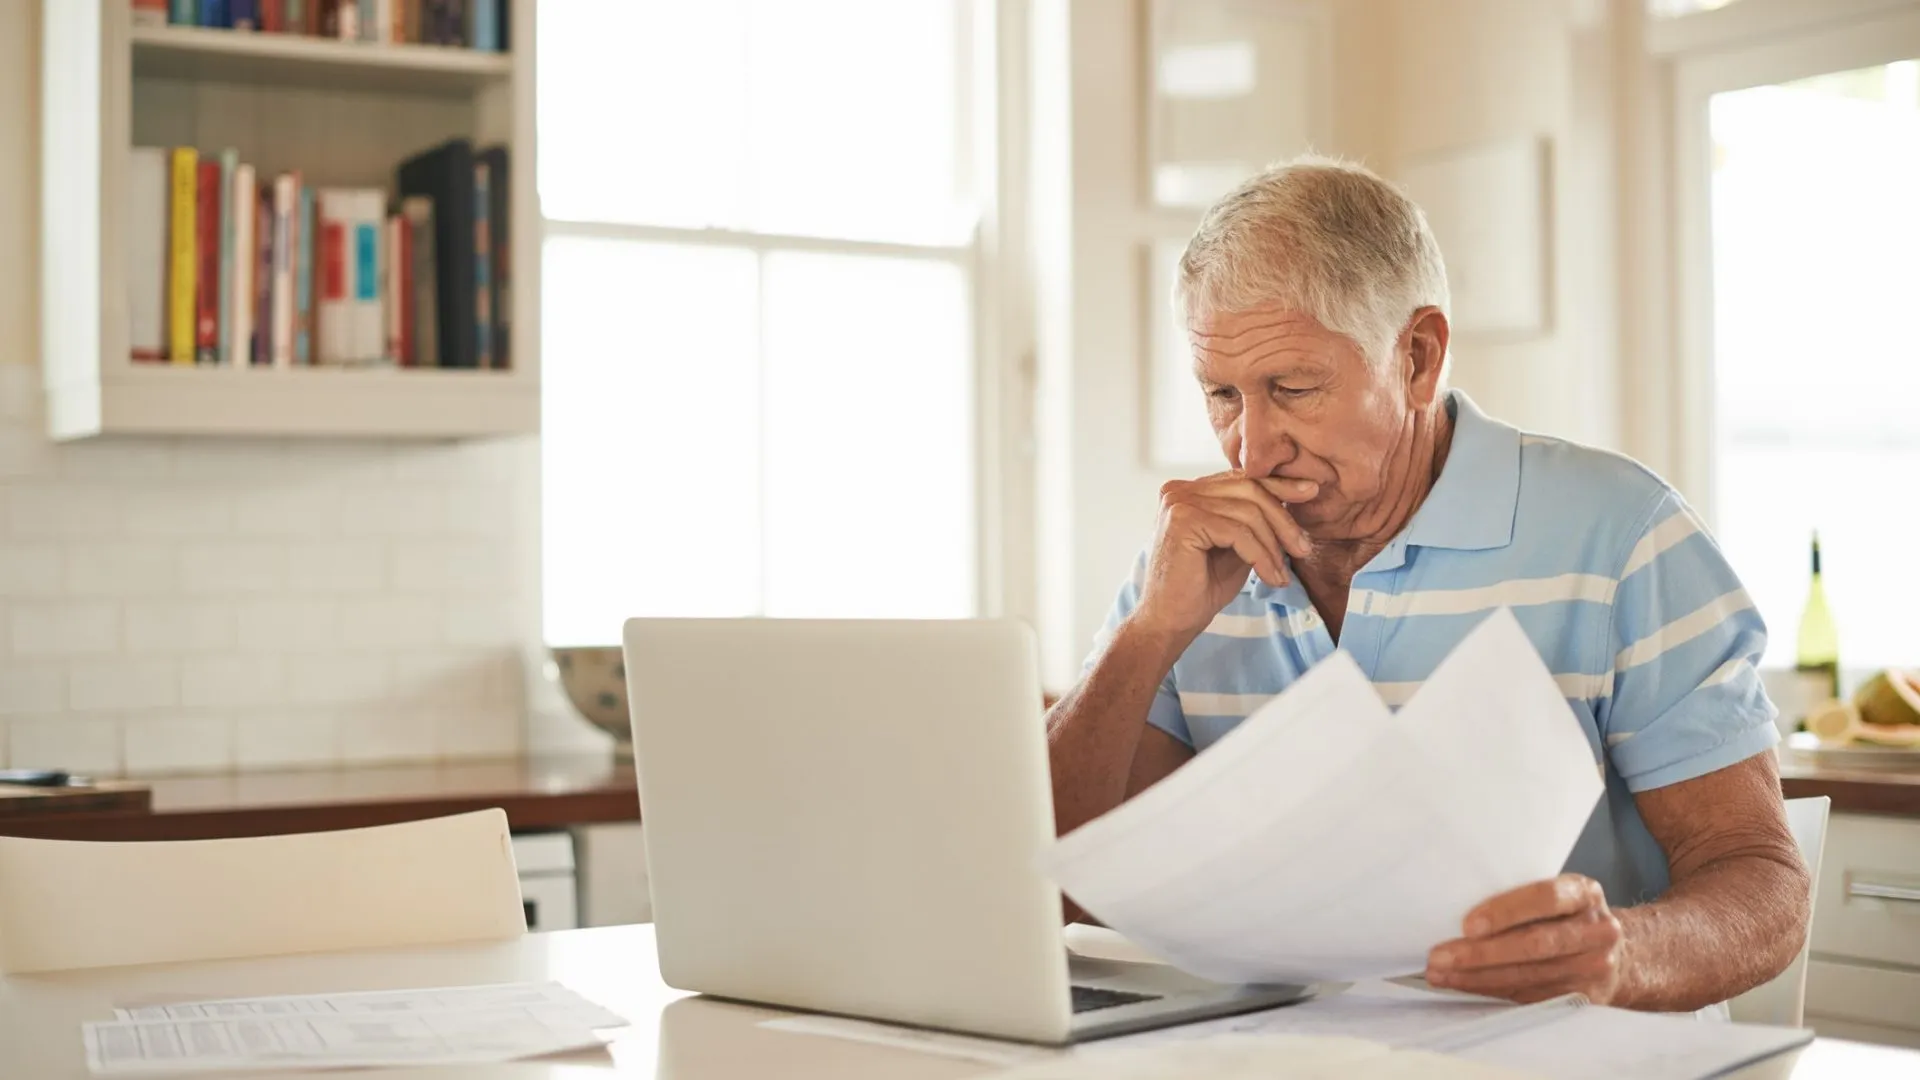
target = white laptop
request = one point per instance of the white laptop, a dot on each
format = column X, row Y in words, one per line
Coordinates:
column 844, row 817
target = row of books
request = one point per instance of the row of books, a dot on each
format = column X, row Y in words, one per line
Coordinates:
column 232, row 268
column 477, row 24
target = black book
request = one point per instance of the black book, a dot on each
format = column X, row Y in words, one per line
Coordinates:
column 500, row 276
column 445, row 175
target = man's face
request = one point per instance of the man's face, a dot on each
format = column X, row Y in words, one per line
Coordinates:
column 1290, row 398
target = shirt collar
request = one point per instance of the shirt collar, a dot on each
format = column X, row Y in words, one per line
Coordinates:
column 1471, row 506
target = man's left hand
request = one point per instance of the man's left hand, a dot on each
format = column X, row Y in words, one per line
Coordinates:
column 1536, row 942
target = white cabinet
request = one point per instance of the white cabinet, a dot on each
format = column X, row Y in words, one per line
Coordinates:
column 545, row 862
column 613, row 874
column 1863, row 980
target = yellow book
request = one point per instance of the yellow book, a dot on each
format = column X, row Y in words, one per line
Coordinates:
column 183, row 255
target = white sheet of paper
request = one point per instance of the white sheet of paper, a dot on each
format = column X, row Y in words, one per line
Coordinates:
column 1327, row 839
column 384, row 1002
column 1597, row 1043
column 140, row 1047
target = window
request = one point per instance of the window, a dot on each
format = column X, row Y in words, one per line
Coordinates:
column 1814, row 230
column 757, row 321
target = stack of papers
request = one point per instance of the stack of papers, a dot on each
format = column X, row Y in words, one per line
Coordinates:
column 452, row 1025
column 1329, row 839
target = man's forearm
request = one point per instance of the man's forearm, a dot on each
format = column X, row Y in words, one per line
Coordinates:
column 1728, row 927
column 1094, row 732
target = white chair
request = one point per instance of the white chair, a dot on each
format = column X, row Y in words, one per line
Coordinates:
column 1782, row 1000
column 68, row 904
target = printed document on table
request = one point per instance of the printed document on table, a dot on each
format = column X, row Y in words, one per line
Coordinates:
column 546, row 996
column 1327, row 839
column 136, row 1047
column 446, row 1025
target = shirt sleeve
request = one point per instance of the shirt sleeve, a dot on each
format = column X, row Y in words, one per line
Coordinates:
column 1686, row 698
column 1165, row 713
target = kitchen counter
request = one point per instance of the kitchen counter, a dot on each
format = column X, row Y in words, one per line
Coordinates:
column 553, row 793
column 536, row 793
column 1853, row 791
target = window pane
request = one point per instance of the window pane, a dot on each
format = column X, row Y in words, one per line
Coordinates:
column 641, row 108
column 1814, row 229
column 869, row 438
column 650, row 444
column 829, row 118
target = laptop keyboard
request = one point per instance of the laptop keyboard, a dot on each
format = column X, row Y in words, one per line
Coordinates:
column 1089, row 998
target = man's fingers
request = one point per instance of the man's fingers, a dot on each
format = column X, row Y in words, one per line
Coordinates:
column 1215, row 531
column 1593, row 930
column 1527, row 983
column 1249, row 514
column 1550, row 899
column 1289, row 490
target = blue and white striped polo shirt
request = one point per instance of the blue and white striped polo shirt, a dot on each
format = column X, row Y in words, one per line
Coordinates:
column 1620, row 587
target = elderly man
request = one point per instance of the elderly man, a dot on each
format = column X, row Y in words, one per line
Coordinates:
column 1370, row 508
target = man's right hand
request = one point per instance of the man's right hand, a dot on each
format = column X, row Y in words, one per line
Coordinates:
column 1212, row 531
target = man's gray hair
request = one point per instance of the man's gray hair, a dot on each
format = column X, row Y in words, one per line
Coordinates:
column 1319, row 236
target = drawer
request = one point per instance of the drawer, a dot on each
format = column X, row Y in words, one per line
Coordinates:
column 1867, row 901
column 1851, row 993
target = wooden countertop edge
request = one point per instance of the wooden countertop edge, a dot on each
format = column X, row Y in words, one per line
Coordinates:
column 525, row 812
column 1853, row 794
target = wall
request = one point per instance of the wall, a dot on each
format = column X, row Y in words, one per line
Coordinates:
column 189, row 604
column 1422, row 77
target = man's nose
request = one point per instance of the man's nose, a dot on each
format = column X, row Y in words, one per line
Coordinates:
column 1265, row 445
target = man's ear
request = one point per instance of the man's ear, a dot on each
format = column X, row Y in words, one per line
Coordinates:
column 1425, row 342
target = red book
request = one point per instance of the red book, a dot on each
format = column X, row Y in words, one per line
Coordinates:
column 273, row 16
column 262, row 344
column 206, row 298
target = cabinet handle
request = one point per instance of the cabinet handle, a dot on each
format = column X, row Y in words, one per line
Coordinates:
column 1876, row 891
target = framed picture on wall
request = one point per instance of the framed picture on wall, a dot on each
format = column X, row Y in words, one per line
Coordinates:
column 1232, row 85
column 1489, row 208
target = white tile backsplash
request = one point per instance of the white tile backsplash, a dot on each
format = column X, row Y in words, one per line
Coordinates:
column 122, row 568
column 64, row 627
column 226, row 567
column 342, row 566
column 165, row 627
column 32, row 688
column 225, row 681
column 389, row 733
column 339, row 678
column 288, row 624
column 122, row 683
column 83, row 744
column 273, row 739
column 43, row 508
column 172, row 744
column 195, row 604
column 33, row 568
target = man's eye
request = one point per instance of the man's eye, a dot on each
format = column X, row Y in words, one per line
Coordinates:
column 1294, row 391
column 1222, row 393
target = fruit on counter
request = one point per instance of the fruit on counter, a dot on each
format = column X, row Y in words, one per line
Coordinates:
column 1885, row 710
column 1891, row 697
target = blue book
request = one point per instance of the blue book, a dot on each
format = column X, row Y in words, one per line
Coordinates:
column 303, row 281
column 243, row 14
column 486, row 25
column 213, row 13
column 184, row 12
column 229, row 161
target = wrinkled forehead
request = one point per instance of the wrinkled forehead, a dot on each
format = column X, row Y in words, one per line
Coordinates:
column 1227, row 346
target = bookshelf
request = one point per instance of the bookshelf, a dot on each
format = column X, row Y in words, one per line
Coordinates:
column 342, row 114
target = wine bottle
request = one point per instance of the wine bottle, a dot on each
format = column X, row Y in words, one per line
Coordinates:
column 1818, row 656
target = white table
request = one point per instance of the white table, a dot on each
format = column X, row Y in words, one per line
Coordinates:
column 673, row 1035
